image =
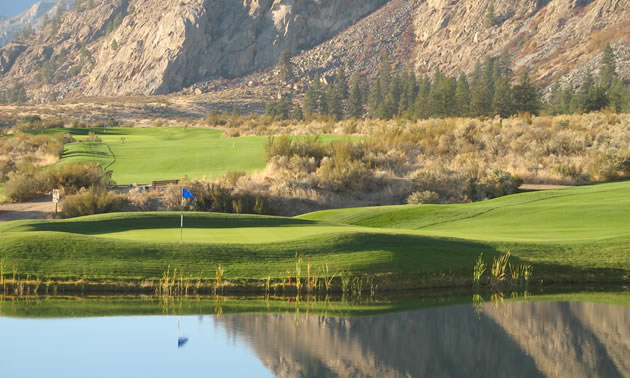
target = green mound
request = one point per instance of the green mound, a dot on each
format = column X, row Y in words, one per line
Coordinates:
column 577, row 234
column 572, row 215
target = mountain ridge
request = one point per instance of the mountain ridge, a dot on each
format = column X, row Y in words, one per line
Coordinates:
column 146, row 47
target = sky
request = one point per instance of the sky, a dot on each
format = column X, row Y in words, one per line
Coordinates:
column 10, row 8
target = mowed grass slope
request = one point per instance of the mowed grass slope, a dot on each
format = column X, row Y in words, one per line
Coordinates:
column 578, row 234
column 580, row 214
column 149, row 154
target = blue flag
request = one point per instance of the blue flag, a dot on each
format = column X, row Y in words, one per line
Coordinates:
column 186, row 193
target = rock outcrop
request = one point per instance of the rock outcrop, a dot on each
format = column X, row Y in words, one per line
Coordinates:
column 149, row 47
column 33, row 16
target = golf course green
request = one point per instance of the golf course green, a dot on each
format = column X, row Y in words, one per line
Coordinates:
column 142, row 155
column 579, row 234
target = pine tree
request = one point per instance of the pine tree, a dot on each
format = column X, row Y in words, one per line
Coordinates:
column 286, row 69
column 480, row 100
column 490, row 72
column 341, row 84
column 526, row 95
column 296, row 113
column 375, row 98
column 462, row 96
column 554, row 104
column 490, row 17
column 333, row 100
column 422, row 100
column 408, row 95
column 608, row 68
column 355, row 98
column 502, row 104
column 505, row 65
column 310, row 103
column 385, row 75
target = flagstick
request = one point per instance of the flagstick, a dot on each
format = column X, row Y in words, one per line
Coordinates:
column 181, row 227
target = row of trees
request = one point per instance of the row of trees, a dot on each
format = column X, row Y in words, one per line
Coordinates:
column 488, row 92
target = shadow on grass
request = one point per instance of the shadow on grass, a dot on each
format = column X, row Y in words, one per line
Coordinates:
column 165, row 221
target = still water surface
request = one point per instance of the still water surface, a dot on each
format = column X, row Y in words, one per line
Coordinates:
column 579, row 336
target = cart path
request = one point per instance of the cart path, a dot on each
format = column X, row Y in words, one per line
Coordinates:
column 36, row 209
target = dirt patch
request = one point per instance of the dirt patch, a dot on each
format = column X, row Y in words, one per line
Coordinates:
column 36, row 209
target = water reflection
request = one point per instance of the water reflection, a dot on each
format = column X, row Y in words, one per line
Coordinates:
column 556, row 339
column 493, row 336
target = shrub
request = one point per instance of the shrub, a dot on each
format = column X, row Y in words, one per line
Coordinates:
column 6, row 167
column 23, row 186
column 73, row 177
column 417, row 198
column 497, row 183
column 92, row 201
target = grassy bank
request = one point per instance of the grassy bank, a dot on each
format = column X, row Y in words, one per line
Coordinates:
column 141, row 155
column 93, row 306
column 571, row 235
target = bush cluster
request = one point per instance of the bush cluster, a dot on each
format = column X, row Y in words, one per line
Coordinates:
column 95, row 200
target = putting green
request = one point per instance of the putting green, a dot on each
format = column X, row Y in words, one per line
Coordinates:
column 142, row 155
column 578, row 235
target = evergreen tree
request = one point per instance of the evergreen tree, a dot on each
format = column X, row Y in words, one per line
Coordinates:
column 392, row 101
column 422, row 100
column 333, row 100
column 566, row 99
column 617, row 95
column 27, row 31
column 462, row 96
column 285, row 66
column 608, row 68
column 480, row 100
column 443, row 96
column 341, row 84
column 490, row 72
column 526, row 95
column 385, row 75
column 554, row 104
column 502, row 103
column 491, row 18
column 505, row 65
column 375, row 99
column 355, row 98
column 91, row 4
column 296, row 113
column 409, row 93
column 310, row 103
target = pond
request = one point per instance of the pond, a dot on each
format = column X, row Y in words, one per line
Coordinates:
column 583, row 334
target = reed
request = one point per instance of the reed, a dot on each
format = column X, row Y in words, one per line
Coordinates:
column 498, row 269
column 311, row 280
column 526, row 272
column 298, row 272
column 220, row 272
column 327, row 278
column 345, row 282
column 478, row 271
column 356, row 288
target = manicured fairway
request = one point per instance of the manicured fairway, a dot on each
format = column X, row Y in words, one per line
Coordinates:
column 560, row 216
column 149, row 154
column 579, row 234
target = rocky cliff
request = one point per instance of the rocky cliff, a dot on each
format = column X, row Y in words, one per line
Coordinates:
column 33, row 16
column 148, row 47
